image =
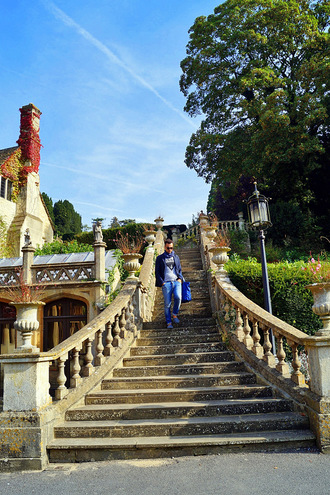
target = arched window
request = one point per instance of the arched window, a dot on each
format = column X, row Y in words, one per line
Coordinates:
column 62, row 318
column 7, row 331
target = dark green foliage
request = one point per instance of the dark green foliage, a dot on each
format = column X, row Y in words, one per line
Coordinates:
column 67, row 220
column 49, row 205
column 109, row 235
column 291, row 301
column 258, row 72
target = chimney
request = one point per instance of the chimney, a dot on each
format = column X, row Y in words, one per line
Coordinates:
column 29, row 140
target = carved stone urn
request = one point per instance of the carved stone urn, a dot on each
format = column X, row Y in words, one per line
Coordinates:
column 203, row 221
column 26, row 323
column 159, row 223
column 210, row 232
column 220, row 257
column 132, row 263
column 321, row 306
column 150, row 236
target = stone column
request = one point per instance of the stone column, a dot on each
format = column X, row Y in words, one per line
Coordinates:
column 99, row 260
column 26, row 382
column 28, row 253
column 318, row 349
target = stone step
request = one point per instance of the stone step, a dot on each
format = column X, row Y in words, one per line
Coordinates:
column 230, row 368
column 187, row 310
column 179, row 339
column 178, row 330
column 179, row 359
column 161, row 410
column 178, row 395
column 179, row 427
column 197, row 321
column 105, row 449
column 230, row 389
column 177, row 349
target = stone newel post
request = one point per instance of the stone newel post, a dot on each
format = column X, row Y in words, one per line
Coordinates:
column 99, row 252
column 28, row 253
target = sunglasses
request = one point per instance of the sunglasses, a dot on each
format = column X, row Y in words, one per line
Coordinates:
column 169, row 248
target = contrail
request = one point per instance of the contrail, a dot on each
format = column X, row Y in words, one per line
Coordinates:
column 111, row 56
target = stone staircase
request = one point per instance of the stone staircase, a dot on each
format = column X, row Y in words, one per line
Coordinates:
column 181, row 392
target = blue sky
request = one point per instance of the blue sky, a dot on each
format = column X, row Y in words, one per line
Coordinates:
column 105, row 75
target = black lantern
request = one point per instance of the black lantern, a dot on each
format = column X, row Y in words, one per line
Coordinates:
column 258, row 210
column 259, row 218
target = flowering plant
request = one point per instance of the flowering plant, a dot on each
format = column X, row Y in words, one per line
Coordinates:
column 213, row 220
column 129, row 244
column 222, row 239
column 148, row 227
column 319, row 271
column 24, row 292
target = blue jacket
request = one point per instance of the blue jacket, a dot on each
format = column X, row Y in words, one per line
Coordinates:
column 160, row 268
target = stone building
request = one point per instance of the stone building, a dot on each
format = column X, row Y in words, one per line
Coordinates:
column 21, row 204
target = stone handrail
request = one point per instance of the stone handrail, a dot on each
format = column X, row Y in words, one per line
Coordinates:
column 116, row 327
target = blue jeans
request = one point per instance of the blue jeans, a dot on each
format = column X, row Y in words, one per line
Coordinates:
column 168, row 289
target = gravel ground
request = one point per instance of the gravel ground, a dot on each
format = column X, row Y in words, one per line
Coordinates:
column 293, row 473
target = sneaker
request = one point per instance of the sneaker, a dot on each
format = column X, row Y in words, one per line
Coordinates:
column 169, row 325
column 176, row 319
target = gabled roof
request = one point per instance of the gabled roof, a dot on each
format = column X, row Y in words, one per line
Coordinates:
column 5, row 153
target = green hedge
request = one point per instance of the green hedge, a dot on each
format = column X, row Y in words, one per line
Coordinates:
column 132, row 229
column 291, row 301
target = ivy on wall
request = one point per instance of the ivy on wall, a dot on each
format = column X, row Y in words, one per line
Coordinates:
column 12, row 169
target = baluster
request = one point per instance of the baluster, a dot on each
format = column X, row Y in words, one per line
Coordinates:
column 88, row 367
column 257, row 348
column 248, row 340
column 297, row 376
column 281, row 366
column 239, row 325
column 227, row 309
column 116, row 333
column 108, row 338
column 269, row 357
column 122, row 324
column 132, row 318
column 61, row 390
column 99, row 358
column 75, row 377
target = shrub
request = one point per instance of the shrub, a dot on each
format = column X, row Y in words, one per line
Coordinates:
column 291, row 301
column 58, row 247
column 132, row 229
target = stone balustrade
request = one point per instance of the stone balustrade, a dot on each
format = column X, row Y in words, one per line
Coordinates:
column 192, row 231
column 247, row 327
column 79, row 363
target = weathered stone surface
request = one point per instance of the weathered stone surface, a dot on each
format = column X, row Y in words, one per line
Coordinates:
column 179, row 393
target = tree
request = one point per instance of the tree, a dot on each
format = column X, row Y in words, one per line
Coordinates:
column 67, row 220
column 49, row 205
column 258, row 70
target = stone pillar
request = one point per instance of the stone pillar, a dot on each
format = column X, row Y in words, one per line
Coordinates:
column 99, row 260
column 318, row 349
column 28, row 253
column 26, row 383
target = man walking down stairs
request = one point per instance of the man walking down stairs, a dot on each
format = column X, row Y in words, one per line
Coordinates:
column 180, row 392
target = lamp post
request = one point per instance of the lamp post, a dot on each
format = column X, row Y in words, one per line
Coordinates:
column 259, row 217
